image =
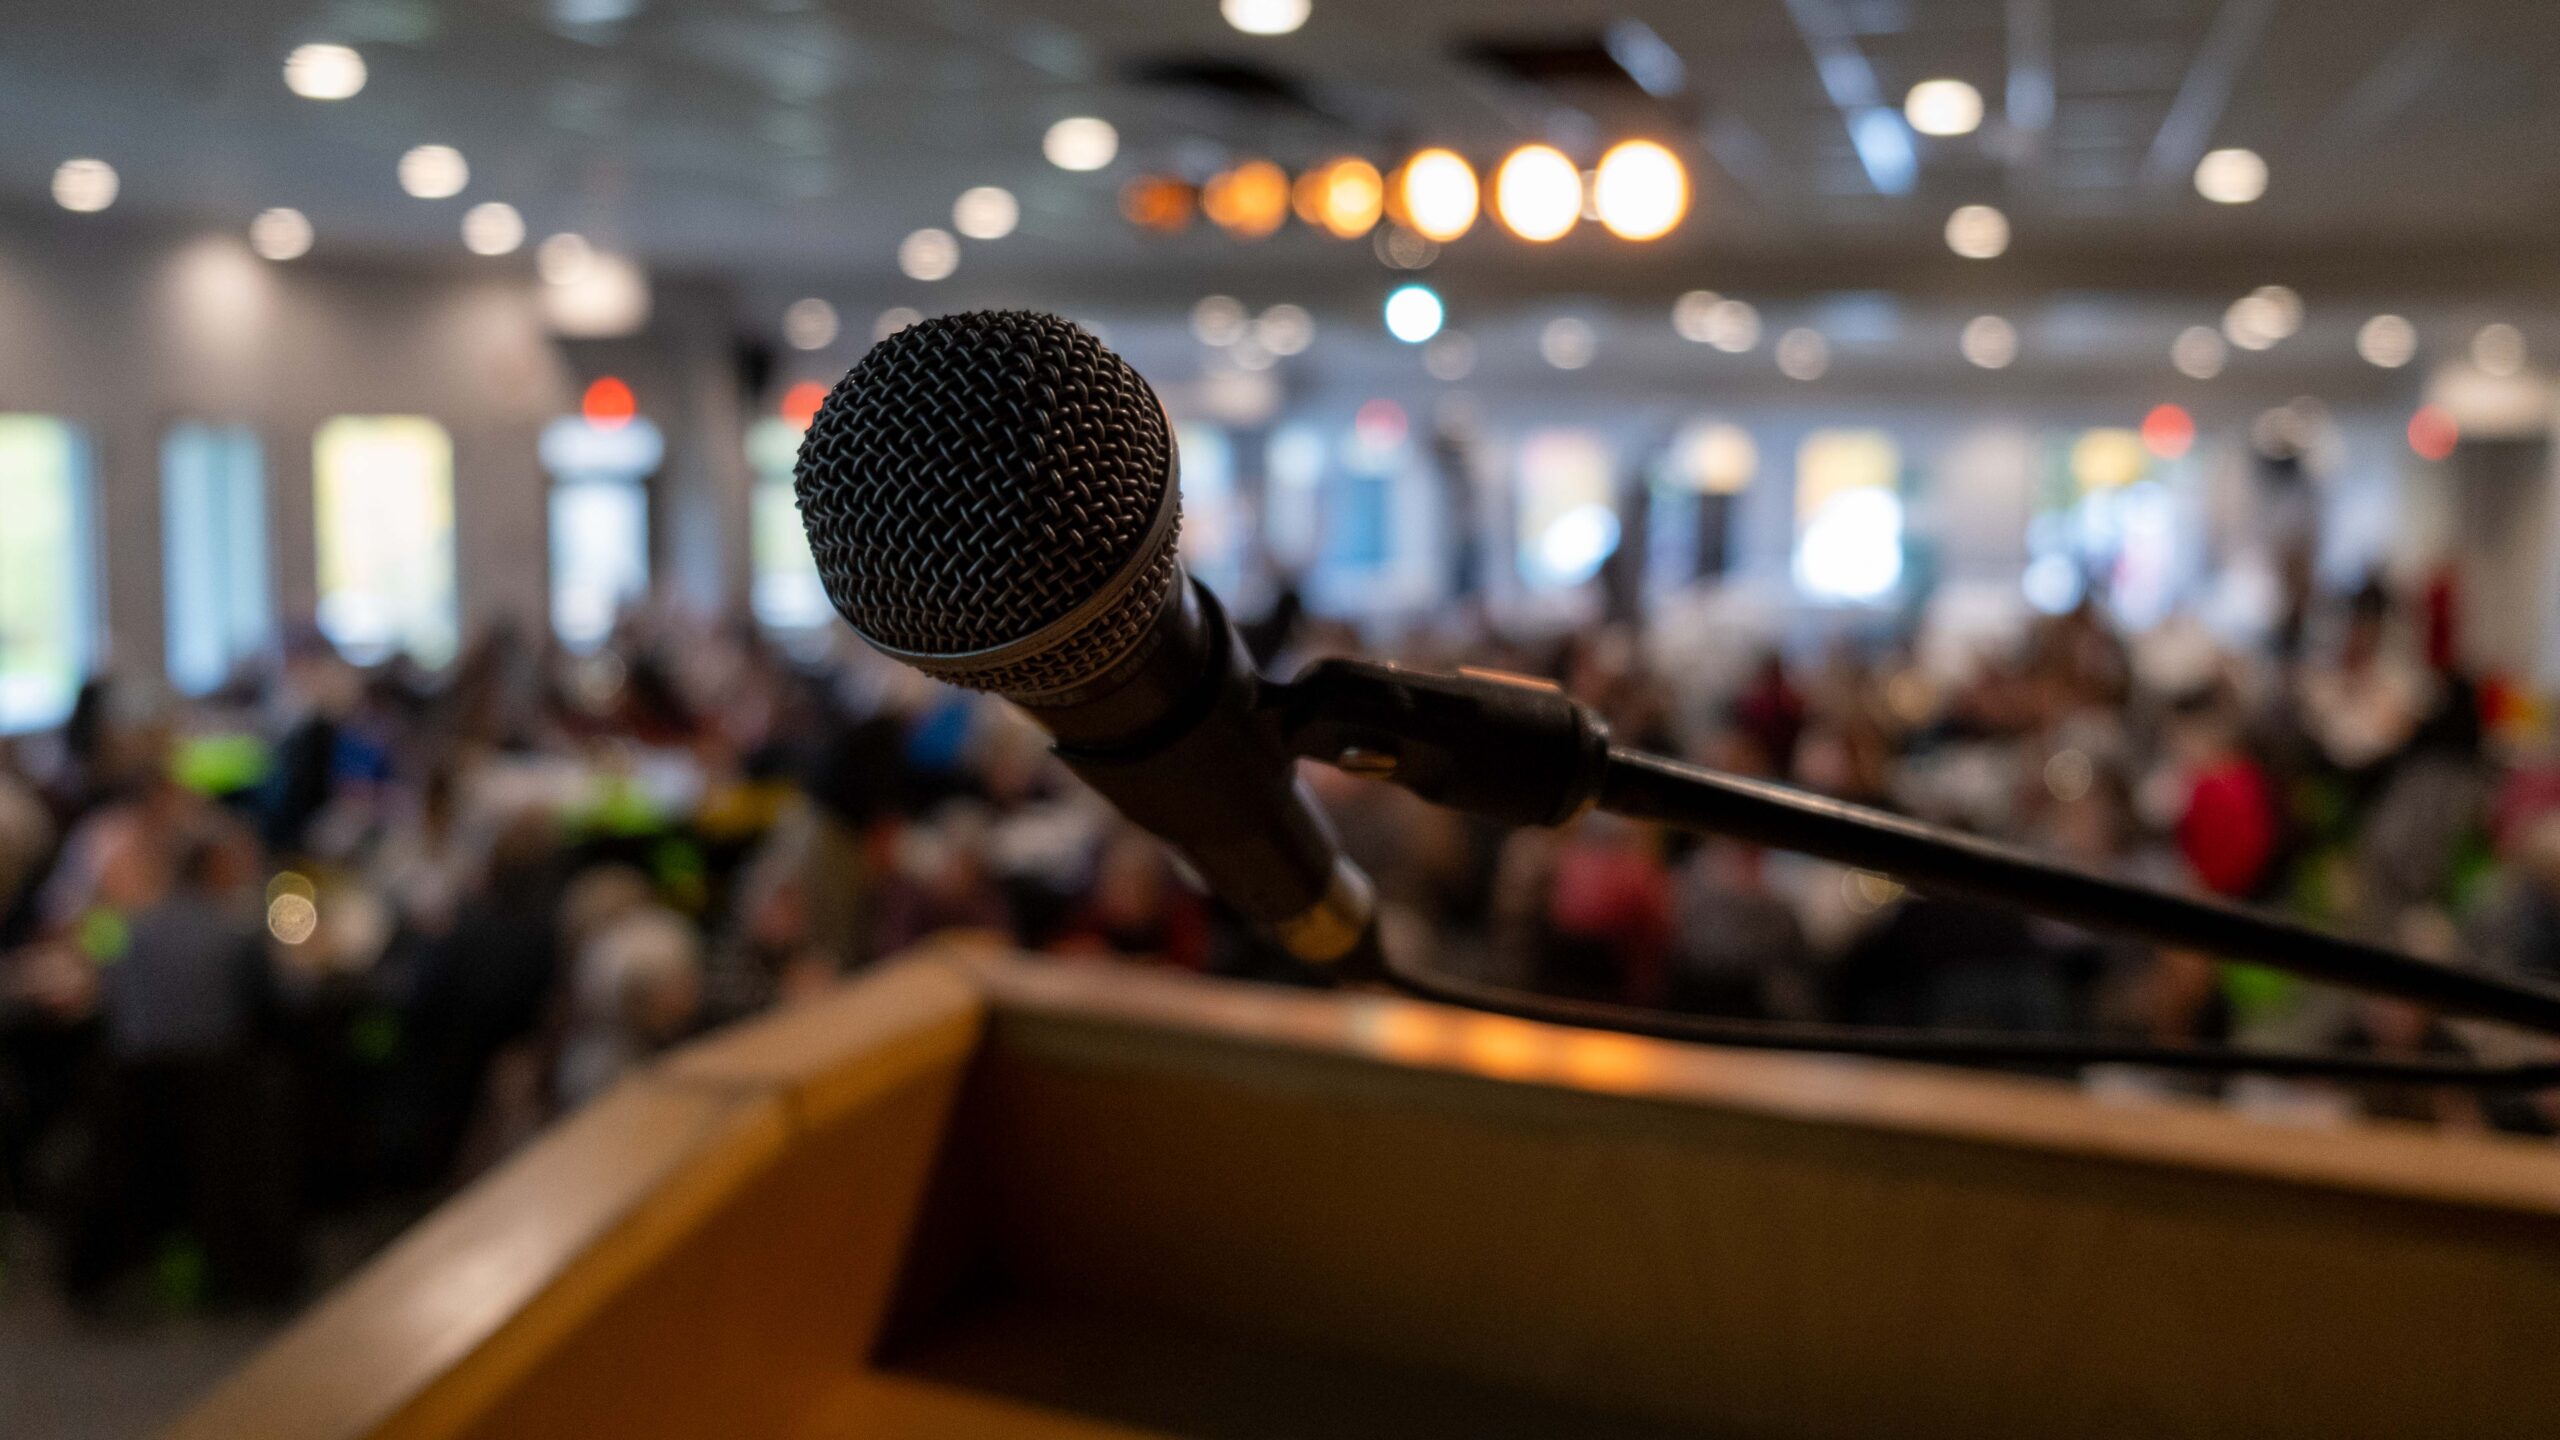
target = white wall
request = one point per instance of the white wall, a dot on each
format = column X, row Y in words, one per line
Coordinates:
column 125, row 336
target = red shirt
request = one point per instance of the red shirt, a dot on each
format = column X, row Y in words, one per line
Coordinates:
column 2229, row 831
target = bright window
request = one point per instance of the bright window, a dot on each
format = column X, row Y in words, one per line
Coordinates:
column 1212, row 521
column 383, row 503
column 213, row 500
column 1848, row 515
column 788, row 593
column 599, row 521
column 1568, row 518
column 46, row 621
column 2105, row 515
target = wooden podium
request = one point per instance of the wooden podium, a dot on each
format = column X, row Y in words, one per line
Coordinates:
column 977, row 1197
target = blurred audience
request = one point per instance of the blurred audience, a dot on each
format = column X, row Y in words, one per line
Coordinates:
column 432, row 913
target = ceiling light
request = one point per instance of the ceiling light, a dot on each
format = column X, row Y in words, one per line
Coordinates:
column 1080, row 143
column 1989, row 342
column 1438, row 193
column 492, row 227
column 1978, row 232
column 2254, row 322
column 607, row 297
column 1249, row 201
column 928, row 254
column 1943, row 107
column 563, row 258
column 324, row 72
column 2231, row 177
column 1689, row 315
column 2282, row 309
column 84, row 187
column 2198, row 352
column 1450, row 356
column 1217, row 320
column 1642, row 191
column 1160, row 203
column 1567, row 343
column 1344, row 196
column 986, row 212
column 1732, row 326
column 2498, row 350
column 2388, row 341
column 810, row 324
column 1264, row 17
column 893, row 320
column 434, row 172
column 280, row 234
column 1538, row 193
column 1285, row 329
column 1803, row 354
column 1413, row 314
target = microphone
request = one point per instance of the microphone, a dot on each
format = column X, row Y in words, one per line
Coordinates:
column 993, row 498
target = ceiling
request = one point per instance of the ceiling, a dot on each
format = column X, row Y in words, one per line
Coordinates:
column 789, row 144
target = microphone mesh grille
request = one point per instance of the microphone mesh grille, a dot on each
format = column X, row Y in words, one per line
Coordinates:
column 975, row 478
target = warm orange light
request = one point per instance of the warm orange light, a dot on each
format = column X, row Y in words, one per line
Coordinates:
column 1501, row 1047
column 1343, row 197
column 1158, row 202
column 800, row 403
column 2432, row 433
column 1642, row 190
column 1437, row 195
column 608, row 404
column 2168, row 431
column 1538, row 193
column 1249, row 201
column 1610, row 1062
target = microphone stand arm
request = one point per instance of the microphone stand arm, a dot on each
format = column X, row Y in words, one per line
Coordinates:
column 1523, row 752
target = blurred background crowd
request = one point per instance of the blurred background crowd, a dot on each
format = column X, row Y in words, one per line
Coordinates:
column 333, row 939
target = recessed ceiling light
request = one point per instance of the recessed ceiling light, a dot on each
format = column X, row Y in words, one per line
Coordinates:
column 564, row 257
column 2498, row 350
column 1989, row 342
column 324, row 72
column 282, row 233
column 2387, row 341
column 1567, row 343
column 1538, row 193
column 1265, row 17
column 2231, row 177
column 1413, row 313
column 1440, row 195
column 434, row 172
column 1080, row 142
column 1641, row 190
column 2198, row 352
column 1803, row 354
column 1978, row 232
column 1451, row 355
column 810, row 324
column 492, row 227
column 84, row 186
column 986, row 212
column 1943, row 107
column 928, row 254
column 1218, row 320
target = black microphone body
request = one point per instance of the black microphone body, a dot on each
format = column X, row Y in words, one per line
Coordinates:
column 994, row 499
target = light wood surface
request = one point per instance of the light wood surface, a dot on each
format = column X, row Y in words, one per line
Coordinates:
column 975, row 1196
